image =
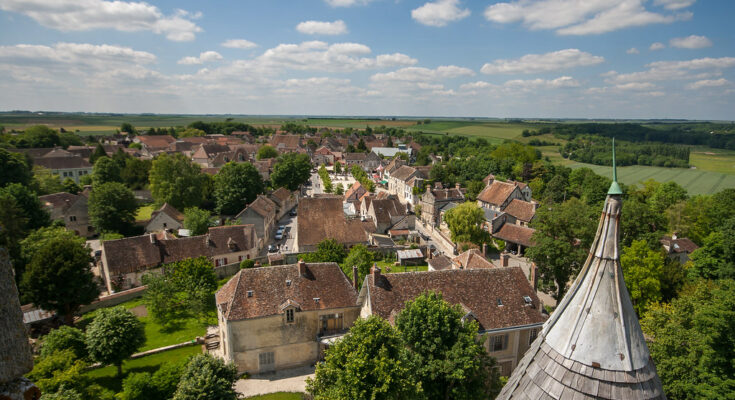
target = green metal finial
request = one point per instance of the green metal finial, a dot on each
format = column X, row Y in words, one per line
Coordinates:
column 614, row 187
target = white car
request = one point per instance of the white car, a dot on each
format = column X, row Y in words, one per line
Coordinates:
column 279, row 235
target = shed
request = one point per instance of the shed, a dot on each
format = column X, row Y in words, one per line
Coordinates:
column 410, row 257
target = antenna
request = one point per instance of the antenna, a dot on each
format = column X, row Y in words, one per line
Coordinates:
column 614, row 187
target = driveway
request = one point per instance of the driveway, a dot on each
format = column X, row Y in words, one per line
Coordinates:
column 290, row 380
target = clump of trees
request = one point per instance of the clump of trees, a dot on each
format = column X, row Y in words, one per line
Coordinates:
column 361, row 176
column 175, row 180
column 465, row 224
column 291, row 171
column 235, row 186
column 594, row 150
column 326, row 180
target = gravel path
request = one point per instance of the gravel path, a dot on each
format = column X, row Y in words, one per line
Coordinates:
column 291, row 380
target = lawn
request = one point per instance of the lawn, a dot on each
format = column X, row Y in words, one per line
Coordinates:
column 277, row 396
column 393, row 268
column 157, row 335
column 144, row 212
column 107, row 376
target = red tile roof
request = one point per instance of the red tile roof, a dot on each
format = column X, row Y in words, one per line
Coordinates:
column 679, row 245
column 472, row 259
column 323, row 218
column 269, row 290
column 521, row 210
column 496, row 193
column 477, row 290
column 515, row 234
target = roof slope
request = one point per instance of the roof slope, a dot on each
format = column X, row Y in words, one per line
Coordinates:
column 322, row 218
column 496, row 193
column 476, row 289
column 270, row 290
column 169, row 210
column 473, row 259
column 521, row 210
column 593, row 344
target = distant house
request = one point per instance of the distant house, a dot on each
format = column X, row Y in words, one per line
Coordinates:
column 471, row 259
column 125, row 261
column 323, row 218
column 165, row 218
column 498, row 195
column 286, row 143
column 402, row 181
column 64, row 164
column 155, row 143
column 434, row 199
column 521, row 211
column 285, row 201
column 385, row 213
column 206, row 154
column 70, row 208
column 390, row 152
column 280, row 317
column 322, row 155
column 366, row 161
column 501, row 300
column 678, row 248
column 355, row 193
column 261, row 213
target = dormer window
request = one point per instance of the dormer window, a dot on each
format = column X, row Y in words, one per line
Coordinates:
column 500, row 302
column 250, row 293
column 288, row 283
column 527, row 300
column 290, row 315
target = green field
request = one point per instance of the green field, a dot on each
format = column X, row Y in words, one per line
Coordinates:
column 493, row 132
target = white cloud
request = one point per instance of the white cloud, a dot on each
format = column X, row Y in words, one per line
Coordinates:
column 421, row 74
column 578, row 17
column 322, row 27
column 346, row 3
column 560, row 82
column 708, row 83
column 477, row 85
column 84, row 15
column 632, row 50
column 674, row 4
column 338, row 57
column 703, row 68
column 239, row 44
column 439, row 13
column 207, row 56
column 656, row 46
column 691, row 42
column 635, row 86
column 96, row 56
column 534, row 63
column 391, row 60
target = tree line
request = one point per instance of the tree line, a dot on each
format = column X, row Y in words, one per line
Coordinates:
column 596, row 150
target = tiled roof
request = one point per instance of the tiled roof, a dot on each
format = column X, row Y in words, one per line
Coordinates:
column 285, row 141
column 281, row 194
column 260, row 292
column 440, row 262
column 322, row 218
column 157, row 142
column 515, row 234
column 386, row 209
column 263, row 206
column 679, row 245
column 169, row 210
column 403, row 173
column 58, row 200
column 355, row 188
column 231, row 238
column 355, row 156
column 472, row 259
column 447, row 194
column 476, row 289
column 496, row 193
column 68, row 162
column 521, row 210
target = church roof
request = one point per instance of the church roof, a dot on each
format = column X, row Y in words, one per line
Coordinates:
column 592, row 346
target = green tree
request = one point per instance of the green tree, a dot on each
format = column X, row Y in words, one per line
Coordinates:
column 41, row 136
column 69, row 186
column 328, row 250
column 266, row 151
column 64, row 338
column 716, row 258
column 14, row 168
column 291, row 171
column 666, row 195
column 360, row 257
column 449, row 361
column 643, row 272
column 247, row 263
column 361, row 147
column 191, row 132
column 61, row 376
column 340, row 190
column 128, row 128
column 45, row 182
column 465, row 223
column 564, row 233
column 208, row 378
column 337, row 167
column 473, row 189
column 160, row 385
column 197, row 220
column 175, row 180
column 134, row 145
column 40, row 237
column 693, row 341
column 369, row 363
column 113, row 336
column 58, row 278
column 235, row 186
column 27, row 201
column 112, row 207
column 98, row 153
column 105, row 170
column 12, row 228
column 135, row 173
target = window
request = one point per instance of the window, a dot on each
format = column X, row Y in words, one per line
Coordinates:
column 267, row 358
column 532, row 335
column 499, row 342
column 331, row 323
column 289, row 315
column 220, row 262
column 72, row 218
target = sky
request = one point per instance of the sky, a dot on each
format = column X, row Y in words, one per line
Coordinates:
column 454, row 58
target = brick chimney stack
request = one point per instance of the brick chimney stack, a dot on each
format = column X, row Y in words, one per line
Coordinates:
column 376, row 272
column 534, row 276
column 302, row 267
column 355, row 277
column 484, row 249
column 505, row 258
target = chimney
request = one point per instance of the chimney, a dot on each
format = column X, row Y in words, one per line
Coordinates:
column 431, row 253
column 302, row 267
column 534, row 276
column 152, row 237
column 355, row 276
column 484, row 249
column 457, row 186
column 376, row 273
column 505, row 258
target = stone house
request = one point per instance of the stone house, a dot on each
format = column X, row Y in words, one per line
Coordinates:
column 498, row 195
column 261, row 213
column 125, row 261
column 165, row 218
column 385, row 213
column 402, row 181
column 501, row 300
column 286, row 143
column 521, row 212
column 206, row 153
column 285, row 200
column 434, row 199
column 280, row 317
column 355, row 193
column 367, row 161
column 70, row 208
column 323, row 218
column 64, row 164
column 678, row 248
column 322, row 155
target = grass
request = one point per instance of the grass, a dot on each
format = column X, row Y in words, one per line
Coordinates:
column 277, row 396
column 715, row 160
column 157, row 335
column 107, row 376
column 144, row 212
column 394, row 269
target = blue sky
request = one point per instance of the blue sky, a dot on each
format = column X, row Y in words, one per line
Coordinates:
column 513, row 58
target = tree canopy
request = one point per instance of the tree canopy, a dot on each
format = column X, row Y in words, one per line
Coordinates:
column 106, row 170
column 235, row 186
column 197, row 220
column 465, row 223
column 114, row 335
column 328, row 250
column 64, row 338
column 266, row 151
column 360, row 257
column 14, row 168
column 291, row 171
column 206, row 377
column 175, row 180
column 112, row 208
column 643, row 270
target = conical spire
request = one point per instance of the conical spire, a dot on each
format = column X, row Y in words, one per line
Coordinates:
column 614, row 187
column 592, row 345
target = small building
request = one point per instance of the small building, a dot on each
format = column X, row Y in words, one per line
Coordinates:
column 64, row 164
column 165, row 218
column 678, row 248
column 471, row 259
column 261, row 213
column 280, row 317
column 355, row 193
column 410, row 257
column 285, row 201
column 70, row 208
column 323, row 218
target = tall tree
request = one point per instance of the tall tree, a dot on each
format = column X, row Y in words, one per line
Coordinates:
column 98, row 153
column 666, row 195
column 291, row 171
column 266, row 151
column 369, row 363
column 328, row 250
column 643, row 270
column 58, row 277
column 112, row 208
column 135, row 173
column 197, row 220
column 449, row 361
column 45, row 182
column 564, row 233
column 64, row 338
column 128, row 128
column 114, row 335
column 235, row 186
column 14, row 168
column 360, row 257
column 693, row 341
column 28, row 201
column 69, row 186
column 175, row 180
column 207, row 377
column 105, row 170
column 716, row 258
column 465, row 223
column 12, row 227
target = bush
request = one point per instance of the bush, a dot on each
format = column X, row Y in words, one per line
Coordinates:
column 247, row 264
column 64, row 338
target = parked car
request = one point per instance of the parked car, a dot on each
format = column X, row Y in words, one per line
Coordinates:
column 279, row 235
column 292, row 212
column 282, row 228
column 272, row 248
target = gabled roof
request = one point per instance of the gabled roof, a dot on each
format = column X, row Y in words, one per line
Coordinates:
column 440, row 262
column 404, row 173
column 263, row 206
column 322, row 218
column 354, row 156
column 476, row 289
column 261, row 292
column 522, row 210
column 472, row 259
column 281, row 195
column 58, row 200
column 497, row 193
column 515, row 234
column 286, row 142
column 355, row 189
column 447, row 194
column 169, row 210
column 387, row 209
column 62, row 162
column 679, row 245
column 156, row 141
